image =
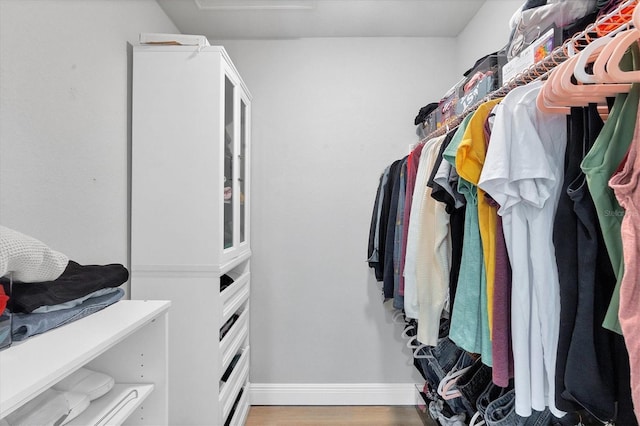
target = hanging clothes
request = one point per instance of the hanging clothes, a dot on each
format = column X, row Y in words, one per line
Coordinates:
column 393, row 188
column 501, row 347
column 523, row 173
column 466, row 328
column 411, row 275
column 433, row 256
column 412, row 170
column 625, row 186
column 599, row 165
column 398, row 298
column 470, row 158
column 444, row 188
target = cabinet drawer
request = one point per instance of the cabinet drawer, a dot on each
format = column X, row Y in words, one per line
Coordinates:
column 237, row 379
column 234, row 296
column 242, row 409
column 235, row 338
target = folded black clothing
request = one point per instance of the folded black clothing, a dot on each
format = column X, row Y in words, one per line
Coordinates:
column 76, row 281
column 424, row 112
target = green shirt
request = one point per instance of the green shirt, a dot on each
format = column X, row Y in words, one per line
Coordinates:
column 600, row 163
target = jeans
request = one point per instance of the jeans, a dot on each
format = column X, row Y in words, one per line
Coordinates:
column 472, row 384
column 437, row 361
column 438, row 412
column 502, row 412
column 5, row 329
column 27, row 325
column 490, row 394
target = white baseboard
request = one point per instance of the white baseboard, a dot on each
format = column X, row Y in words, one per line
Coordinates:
column 334, row 394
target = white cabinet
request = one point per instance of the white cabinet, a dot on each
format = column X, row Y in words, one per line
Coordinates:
column 127, row 341
column 190, row 222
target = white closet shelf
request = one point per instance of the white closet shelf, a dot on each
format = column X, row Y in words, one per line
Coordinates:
column 27, row 368
column 114, row 407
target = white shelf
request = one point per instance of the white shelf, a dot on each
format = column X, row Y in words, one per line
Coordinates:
column 28, row 368
column 115, row 407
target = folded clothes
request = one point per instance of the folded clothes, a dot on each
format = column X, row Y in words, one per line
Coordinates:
column 27, row 325
column 75, row 302
column 75, row 282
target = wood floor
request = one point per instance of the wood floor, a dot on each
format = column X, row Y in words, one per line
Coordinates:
column 330, row 415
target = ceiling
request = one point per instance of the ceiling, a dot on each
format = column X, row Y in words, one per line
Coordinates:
column 267, row 19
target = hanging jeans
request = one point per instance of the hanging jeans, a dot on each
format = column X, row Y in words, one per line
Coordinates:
column 501, row 412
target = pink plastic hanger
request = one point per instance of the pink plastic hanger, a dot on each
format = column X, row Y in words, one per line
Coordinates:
column 597, row 92
column 545, row 95
column 618, row 47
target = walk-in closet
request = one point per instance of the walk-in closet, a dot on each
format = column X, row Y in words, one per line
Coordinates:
column 319, row 212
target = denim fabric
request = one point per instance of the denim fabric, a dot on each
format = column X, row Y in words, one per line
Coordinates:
column 438, row 412
column 5, row 329
column 501, row 412
column 457, row 405
column 437, row 361
column 72, row 303
column 490, row 394
column 472, row 384
column 398, row 299
column 27, row 325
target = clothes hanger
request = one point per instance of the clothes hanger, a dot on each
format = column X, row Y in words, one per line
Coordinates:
column 559, row 92
column 588, row 54
column 450, row 379
column 416, row 352
column 597, row 92
column 597, row 47
column 600, row 74
column 617, row 48
column 398, row 317
column 407, row 329
column 477, row 419
column 545, row 95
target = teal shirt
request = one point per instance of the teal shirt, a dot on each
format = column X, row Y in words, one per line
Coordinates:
column 470, row 315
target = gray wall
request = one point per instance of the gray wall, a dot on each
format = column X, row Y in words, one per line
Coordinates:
column 328, row 116
column 486, row 33
column 64, row 120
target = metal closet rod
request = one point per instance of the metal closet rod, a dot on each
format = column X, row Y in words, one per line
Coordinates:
column 609, row 24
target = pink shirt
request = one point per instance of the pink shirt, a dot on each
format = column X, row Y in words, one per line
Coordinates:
column 625, row 186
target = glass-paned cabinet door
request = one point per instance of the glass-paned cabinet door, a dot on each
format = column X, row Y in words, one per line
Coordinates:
column 229, row 149
column 242, row 178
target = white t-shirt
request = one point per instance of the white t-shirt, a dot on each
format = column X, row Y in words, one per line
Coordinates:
column 523, row 172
